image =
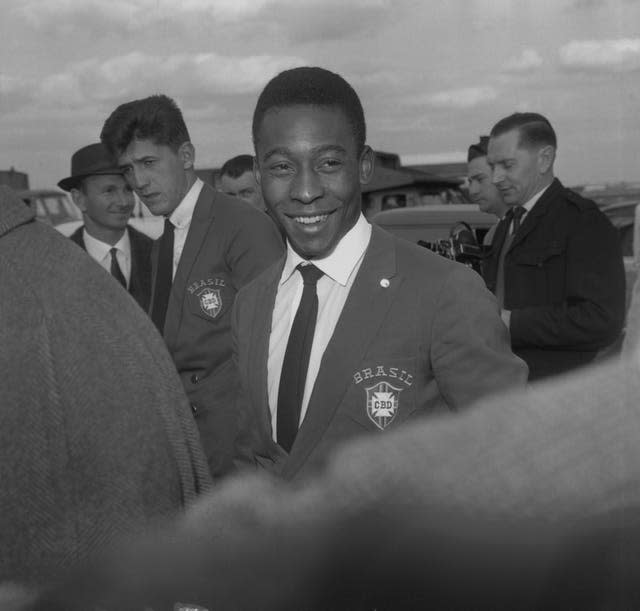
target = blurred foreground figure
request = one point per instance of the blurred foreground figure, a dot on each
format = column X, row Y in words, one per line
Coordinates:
column 96, row 437
column 528, row 501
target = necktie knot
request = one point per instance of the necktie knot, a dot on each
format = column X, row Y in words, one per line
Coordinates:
column 517, row 212
column 310, row 274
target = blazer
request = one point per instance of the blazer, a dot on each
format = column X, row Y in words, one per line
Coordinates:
column 140, row 282
column 564, row 282
column 97, row 439
column 228, row 244
column 417, row 330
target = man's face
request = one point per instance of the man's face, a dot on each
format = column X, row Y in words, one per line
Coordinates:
column 157, row 173
column 310, row 172
column 516, row 171
column 106, row 200
column 245, row 187
column 481, row 190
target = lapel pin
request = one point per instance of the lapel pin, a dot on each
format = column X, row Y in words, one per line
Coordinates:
column 384, row 283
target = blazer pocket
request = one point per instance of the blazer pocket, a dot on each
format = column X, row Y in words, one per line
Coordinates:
column 381, row 393
column 537, row 257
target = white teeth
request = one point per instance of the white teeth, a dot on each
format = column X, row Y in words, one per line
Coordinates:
column 308, row 220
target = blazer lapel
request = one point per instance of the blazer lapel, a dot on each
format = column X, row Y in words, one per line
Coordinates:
column 203, row 216
column 364, row 311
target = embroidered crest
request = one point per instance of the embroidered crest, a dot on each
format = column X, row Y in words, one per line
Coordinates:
column 210, row 301
column 383, row 402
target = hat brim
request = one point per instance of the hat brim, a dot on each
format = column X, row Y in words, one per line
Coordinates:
column 71, row 182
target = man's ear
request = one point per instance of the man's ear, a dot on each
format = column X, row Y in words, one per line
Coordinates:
column 256, row 172
column 546, row 157
column 367, row 165
column 79, row 199
column 187, row 154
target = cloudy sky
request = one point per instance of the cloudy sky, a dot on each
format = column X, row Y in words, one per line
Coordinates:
column 432, row 75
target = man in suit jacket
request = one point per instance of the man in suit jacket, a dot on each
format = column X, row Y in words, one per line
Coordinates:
column 97, row 439
column 400, row 331
column 211, row 247
column 106, row 201
column 559, row 277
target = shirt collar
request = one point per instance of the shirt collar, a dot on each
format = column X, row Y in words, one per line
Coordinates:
column 528, row 206
column 339, row 265
column 100, row 249
column 181, row 216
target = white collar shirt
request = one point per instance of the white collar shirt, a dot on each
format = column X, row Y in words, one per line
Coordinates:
column 340, row 269
column 101, row 252
column 181, row 220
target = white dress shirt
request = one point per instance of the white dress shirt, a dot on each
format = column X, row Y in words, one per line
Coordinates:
column 181, row 219
column 100, row 251
column 340, row 269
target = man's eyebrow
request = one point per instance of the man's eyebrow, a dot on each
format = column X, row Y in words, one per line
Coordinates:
column 476, row 175
column 322, row 148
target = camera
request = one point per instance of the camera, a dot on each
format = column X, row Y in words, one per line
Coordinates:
column 462, row 246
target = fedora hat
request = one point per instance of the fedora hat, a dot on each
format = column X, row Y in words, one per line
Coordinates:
column 88, row 161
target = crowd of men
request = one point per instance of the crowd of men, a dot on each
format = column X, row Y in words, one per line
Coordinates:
column 277, row 352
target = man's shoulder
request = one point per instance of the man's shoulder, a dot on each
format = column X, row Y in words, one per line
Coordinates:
column 572, row 199
column 269, row 276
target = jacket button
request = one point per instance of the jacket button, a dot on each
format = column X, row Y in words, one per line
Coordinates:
column 194, row 378
column 194, row 408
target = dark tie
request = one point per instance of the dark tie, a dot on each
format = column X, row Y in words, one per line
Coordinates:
column 116, row 272
column 164, row 276
column 513, row 217
column 296, row 359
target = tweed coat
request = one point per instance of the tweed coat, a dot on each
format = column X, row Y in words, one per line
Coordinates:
column 140, row 282
column 96, row 439
column 564, row 282
column 228, row 244
column 417, row 329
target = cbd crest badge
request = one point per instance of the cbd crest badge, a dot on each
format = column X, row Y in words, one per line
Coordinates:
column 210, row 301
column 383, row 401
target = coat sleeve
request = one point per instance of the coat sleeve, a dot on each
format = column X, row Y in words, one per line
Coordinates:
column 470, row 347
column 592, row 313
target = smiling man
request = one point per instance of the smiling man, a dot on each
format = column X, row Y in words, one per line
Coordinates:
column 106, row 202
column 556, row 265
column 353, row 331
column 211, row 246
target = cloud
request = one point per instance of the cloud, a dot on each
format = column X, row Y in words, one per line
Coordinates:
column 201, row 78
column 467, row 97
column 14, row 93
column 296, row 20
column 528, row 61
column 621, row 55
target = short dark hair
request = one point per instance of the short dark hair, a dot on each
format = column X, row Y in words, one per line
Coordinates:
column 312, row 86
column 535, row 129
column 479, row 149
column 155, row 118
column 237, row 166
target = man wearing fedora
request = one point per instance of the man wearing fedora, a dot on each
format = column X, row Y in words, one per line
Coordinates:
column 106, row 201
